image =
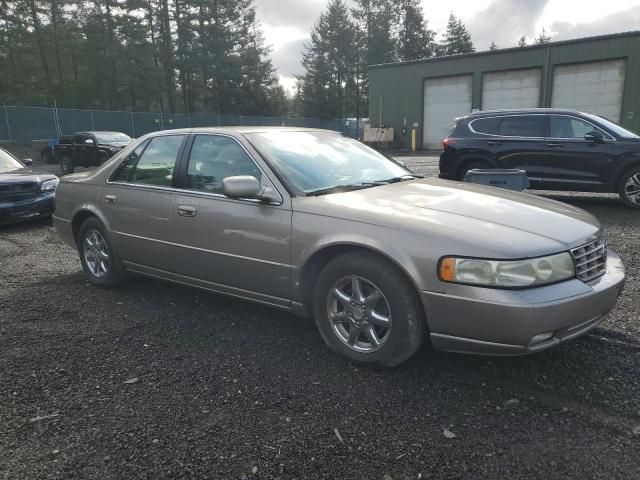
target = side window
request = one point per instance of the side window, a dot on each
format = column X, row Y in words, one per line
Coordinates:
column 490, row 126
column 523, row 126
column 79, row 139
column 215, row 157
column 152, row 165
column 568, row 127
column 125, row 170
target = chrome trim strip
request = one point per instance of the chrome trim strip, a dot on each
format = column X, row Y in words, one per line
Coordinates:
column 198, row 283
column 204, row 250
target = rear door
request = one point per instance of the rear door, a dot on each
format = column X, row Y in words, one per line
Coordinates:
column 520, row 144
column 236, row 246
column 137, row 202
column 576, row 163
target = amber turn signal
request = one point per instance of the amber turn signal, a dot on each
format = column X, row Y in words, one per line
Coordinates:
column 447, row 270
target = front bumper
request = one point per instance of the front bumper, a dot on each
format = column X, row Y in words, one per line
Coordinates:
column 504, row 322
column 40, row 205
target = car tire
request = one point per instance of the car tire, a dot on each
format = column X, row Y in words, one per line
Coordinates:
column 102, row 157
column 346, row 326
column 629, row 187
column 477, row 164
column 100, row 261
column 66, row 165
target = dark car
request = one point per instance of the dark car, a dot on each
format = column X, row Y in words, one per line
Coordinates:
column 24, row 194
column 559, row 150
column 88, row 149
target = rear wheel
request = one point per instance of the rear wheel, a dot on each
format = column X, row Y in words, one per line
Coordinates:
column 629, row 187
column 470, row 166
column 99, row 259
column 367, row 310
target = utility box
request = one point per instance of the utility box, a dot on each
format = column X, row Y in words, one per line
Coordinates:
column 516, row 180
column 378, row 135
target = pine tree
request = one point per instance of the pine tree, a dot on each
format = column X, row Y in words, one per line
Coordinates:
column 522, row 42
column 415, row 40
column 330, row 62
column 543, row 37
column 493, row 46
column 456, row 39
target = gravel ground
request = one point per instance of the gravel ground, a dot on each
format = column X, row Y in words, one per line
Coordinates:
column 159, row 381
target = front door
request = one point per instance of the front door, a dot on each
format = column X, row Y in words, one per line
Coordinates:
column 234, row 246
column 137, row 203
column 576, row 163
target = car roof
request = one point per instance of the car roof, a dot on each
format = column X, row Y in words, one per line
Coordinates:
column 245, row 130
column 522, row 111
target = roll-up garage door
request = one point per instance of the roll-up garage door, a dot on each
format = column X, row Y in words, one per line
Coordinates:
column 445, row 98
column 511, row 89
column 594, row 87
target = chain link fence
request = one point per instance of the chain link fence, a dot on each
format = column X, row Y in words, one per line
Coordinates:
column 42, row 123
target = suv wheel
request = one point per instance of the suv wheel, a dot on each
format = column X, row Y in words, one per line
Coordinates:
column 629, row 188
column 367, row 311
column 99, row 259
column 66, row 165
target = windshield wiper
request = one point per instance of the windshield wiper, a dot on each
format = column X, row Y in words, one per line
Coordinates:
column 408, row 176
column 341, row 188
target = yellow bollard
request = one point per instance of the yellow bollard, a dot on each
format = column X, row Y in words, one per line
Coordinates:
column 413, row 139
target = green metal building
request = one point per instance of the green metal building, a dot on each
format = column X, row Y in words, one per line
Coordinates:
column 600, row 75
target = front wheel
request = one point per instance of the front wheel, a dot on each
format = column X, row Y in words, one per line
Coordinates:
column 367, row 310
column 66, row 165
column 629, row 188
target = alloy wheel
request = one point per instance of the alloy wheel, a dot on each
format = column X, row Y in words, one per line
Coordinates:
column 359, row 314
column 96, row 253
column 632, row 188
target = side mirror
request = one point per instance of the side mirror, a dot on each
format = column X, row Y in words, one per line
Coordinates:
column 246, row 186
column 89, row 141
column 594, row 136
column 28, row 162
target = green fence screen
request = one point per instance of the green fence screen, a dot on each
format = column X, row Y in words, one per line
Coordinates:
column 40, row 123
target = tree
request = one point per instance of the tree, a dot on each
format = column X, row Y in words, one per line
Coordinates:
column 456, row 39
column 522, row 42
column 415, row 40
column 329, row 87
column 543, row 37
column 493, row 46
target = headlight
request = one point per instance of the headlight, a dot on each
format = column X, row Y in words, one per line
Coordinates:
column 531, row 272
column 49, row 185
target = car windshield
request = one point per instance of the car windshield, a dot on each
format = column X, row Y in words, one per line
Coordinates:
column 8, row 163
column 317, row 161
column 614, row 127
column 112, row 137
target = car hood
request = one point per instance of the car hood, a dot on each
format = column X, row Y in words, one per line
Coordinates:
column 501, row 221
column 23, row 175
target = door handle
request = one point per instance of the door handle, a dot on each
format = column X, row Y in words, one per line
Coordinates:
column 554, row 145
column 494, row 142
column 110, row 199
column 187, row 211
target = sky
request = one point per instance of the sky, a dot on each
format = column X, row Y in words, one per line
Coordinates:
column 287, row 23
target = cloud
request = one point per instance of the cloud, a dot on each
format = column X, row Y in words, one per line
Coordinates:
column 616, row 22
column 287, row 59
column 301, row 14
column 505, row 21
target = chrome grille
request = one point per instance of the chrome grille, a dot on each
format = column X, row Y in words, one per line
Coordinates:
column 590, row 260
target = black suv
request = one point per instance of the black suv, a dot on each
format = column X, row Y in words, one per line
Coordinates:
column 559, row 149
column 87, row 149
